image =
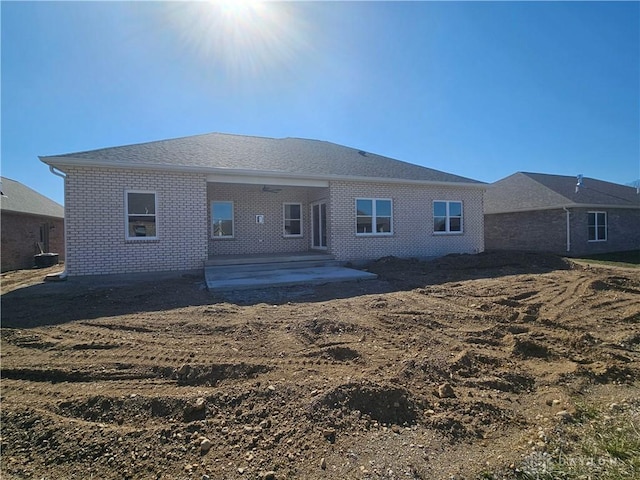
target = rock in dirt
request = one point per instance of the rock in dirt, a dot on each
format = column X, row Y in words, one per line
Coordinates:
column 329, row 434
column 195, row 410
column 446, row 391
column 323, row 463
column 205, row 445
column 564, row 416
column 199, row 404
column 265, row 424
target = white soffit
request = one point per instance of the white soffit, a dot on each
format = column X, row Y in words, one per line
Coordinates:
column 268, row 180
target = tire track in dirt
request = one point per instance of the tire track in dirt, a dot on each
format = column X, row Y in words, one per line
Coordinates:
column 276, row 386
column 565, row 297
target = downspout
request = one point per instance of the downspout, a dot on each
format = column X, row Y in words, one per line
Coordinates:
column 62, row 275
column 568, row 230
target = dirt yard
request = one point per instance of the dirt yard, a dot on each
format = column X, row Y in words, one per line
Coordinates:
column 443, row 370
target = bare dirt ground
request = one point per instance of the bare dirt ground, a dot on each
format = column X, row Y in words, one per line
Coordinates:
column 440, row 370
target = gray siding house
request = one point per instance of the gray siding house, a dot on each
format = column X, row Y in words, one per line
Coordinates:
column 565, row 215
column 30, row 222
column 173, row 204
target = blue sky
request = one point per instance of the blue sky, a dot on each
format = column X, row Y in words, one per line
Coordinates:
column 479, row 89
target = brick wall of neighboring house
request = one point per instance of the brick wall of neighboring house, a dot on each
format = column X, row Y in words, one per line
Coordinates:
column 20, row 236
column 413, row 234
column 623, row 231
column 546, row 231
column 541, row 230
column 268, row 237
column 95, row 221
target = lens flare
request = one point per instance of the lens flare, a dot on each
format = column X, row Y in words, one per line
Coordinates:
column 241, row 38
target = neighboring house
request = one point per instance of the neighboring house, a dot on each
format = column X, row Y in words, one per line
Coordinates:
column 30, row 221
column 565, row 215
column 172, row 204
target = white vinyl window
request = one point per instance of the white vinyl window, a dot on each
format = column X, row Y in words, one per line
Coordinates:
column 597, row 226
column 292, row 219
column 447, row 216
column 374, row 216
column 222, row 223
column 141, row 220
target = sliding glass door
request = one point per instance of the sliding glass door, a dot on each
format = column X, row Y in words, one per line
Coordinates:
column 319, row 225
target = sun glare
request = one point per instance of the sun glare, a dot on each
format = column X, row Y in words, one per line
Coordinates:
column 241, row 37
column 235, row 8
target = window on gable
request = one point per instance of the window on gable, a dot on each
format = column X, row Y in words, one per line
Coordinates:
column 222, row 219
column 141, row 207
column 292, row 219
column 447, row 217
column 374, row 216
column 597, row 226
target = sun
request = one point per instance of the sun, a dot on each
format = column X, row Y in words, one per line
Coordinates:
column 239, row 37
column 236, row 9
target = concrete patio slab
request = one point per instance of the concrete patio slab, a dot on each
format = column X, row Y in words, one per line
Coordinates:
column 226, row 280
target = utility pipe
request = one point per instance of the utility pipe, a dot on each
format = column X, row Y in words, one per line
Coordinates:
column 63, row 275
column 568, row 230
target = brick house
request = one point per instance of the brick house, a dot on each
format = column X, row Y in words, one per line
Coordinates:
column 561, row 214
column 172, row 204
column 30, row 221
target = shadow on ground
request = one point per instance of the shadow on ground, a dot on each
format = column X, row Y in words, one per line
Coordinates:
column 56, row 303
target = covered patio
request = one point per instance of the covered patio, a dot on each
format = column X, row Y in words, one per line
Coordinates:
column 267, row 216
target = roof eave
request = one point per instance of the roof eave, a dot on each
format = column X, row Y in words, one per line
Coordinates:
column 33, row 214
column 560, row 207
column 61, row 162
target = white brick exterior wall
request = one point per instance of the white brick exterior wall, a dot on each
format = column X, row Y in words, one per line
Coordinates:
column 95, row 221
column 412, row 222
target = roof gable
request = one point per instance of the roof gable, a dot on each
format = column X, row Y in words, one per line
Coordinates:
column 536, row 191
column 240, row 154
column 19, row 198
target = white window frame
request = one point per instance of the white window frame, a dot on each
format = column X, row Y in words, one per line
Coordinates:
column 233, row 221
column 284, row 220
column 447, row 218
column 374, row 217
column 596, row 225
column 127, row 215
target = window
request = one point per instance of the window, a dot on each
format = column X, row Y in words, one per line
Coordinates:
column 141, row 218
column 447, row 217
column 292, row 219
column 373, row 216
column 222, row 219
column 597, row 226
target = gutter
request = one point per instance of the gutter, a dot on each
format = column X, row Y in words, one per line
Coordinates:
column 568, row 229
column 62, row 276
column 564, row 207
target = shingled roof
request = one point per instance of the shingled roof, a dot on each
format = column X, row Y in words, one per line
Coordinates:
column 524, row 191
column 19, row 198
column 218, row 153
